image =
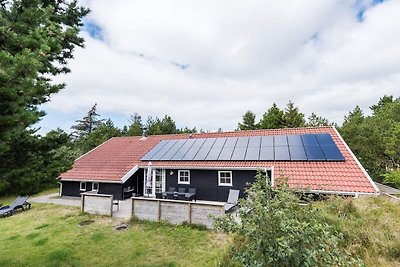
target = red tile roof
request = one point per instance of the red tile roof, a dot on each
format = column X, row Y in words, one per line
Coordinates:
column 116, row 157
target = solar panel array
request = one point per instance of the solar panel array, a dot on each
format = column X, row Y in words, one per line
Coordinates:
column 302, row 147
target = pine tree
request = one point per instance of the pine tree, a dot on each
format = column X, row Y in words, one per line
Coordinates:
column 383, row 101
column 102, row 133
column 136, row 127
column 88, row 123
column 248, row 121
column 168, row 125
column 293, row 118
column 157, row 126
column 315, row 121
column 272, row 119
column 36, row 38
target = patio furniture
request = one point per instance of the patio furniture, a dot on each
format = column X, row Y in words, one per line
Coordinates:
column 191, row 195
column 180, row 194
column 19, row 203
column 232, row 200
column 170, row 193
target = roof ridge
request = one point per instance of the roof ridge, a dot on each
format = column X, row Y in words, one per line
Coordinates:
column 231, row 132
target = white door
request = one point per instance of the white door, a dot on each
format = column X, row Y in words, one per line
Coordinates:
column 157, row 182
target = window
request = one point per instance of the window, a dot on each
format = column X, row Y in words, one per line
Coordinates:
column 183, row 177
column 95, row 187
column 83, row 186
column 225, row 178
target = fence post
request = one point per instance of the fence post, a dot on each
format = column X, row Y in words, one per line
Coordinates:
column 190, row 213
column 112, row 206
column 158, row 210
column 82, row 202
column 133, row 207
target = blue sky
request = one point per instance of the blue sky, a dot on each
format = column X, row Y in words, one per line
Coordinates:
column 205, row 63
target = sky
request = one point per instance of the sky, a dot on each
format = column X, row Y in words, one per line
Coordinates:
column 205, row 63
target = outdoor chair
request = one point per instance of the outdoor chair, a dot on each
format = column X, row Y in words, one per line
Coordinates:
column 191, row 195
column 180, row 194
column 19, row 203
column 232, row 200
column 170, row 193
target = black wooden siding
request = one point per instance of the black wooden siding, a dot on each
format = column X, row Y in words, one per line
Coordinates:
column 206, row 183
column 70, row 188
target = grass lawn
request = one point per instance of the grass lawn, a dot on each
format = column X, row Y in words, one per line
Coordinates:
column 50, row 235
column 9, row 199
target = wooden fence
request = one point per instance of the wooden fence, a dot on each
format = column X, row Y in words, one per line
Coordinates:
column 176, row 211
column 97, row 203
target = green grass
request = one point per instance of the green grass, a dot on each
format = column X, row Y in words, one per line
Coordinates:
column 50, row 235
column 371, row 226
column 9, row 199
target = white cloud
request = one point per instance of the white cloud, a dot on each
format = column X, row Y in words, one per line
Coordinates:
column 241, row 55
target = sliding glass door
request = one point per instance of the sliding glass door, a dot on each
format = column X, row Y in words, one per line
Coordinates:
column 157, row 183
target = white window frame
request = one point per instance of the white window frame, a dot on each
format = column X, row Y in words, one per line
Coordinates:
column 179, row 177
column 96, row 190
column 219, row 178
column 81, row 187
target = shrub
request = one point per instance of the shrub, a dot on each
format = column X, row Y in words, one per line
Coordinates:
column 276, row 230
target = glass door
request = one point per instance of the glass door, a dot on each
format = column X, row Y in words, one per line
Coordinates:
column 157, row 184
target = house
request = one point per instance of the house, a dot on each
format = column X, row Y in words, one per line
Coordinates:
column 313, row 158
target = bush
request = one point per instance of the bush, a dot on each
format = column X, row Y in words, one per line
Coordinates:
column 276, row 230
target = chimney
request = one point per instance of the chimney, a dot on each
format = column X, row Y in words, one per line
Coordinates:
column 144, row 133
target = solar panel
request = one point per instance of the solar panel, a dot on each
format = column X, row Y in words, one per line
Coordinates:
column 154, row 150
column 332, row 152
column 305, row 147
column 309, row 140
column 252, row 153
column 199, row 142
column 184, row 149
column 220, row 142
column 238, row 153
column 191, row 153
column 226, row 153
column 267, row 153
column 280, row 140
column 209, row 142
column 295, row 140
column 231, row 141
column 325, row 139
column 242, row 142
column 174, row 149
column 314, row 153
column 297, row 153
column 282, row 153
column 164, row 150
column 255, row 141
column 202, row 153
column 267, row 141
column 214, row 153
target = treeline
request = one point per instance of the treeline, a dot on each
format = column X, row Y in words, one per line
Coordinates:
column 375, row 139
column 275, row 118
column 91, row 131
